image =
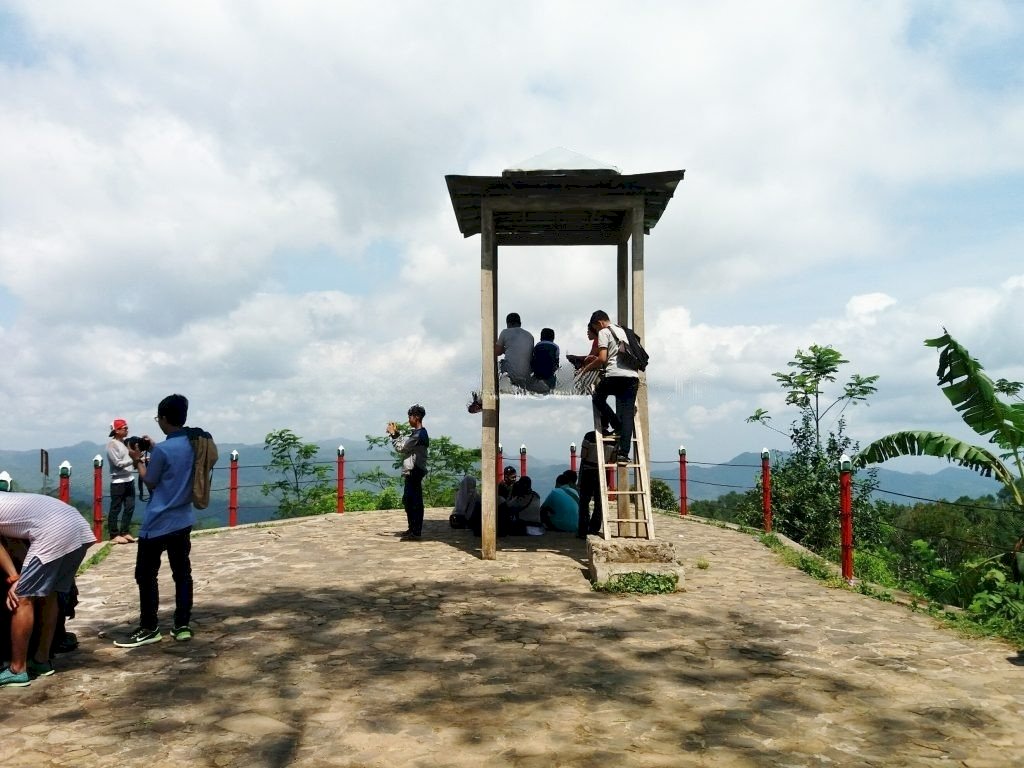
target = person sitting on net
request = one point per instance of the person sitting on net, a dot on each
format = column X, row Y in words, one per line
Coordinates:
column 544, row 361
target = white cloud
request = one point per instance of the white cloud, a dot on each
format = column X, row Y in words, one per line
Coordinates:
column 246, row 203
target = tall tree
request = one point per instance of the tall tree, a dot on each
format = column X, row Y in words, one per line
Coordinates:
column 805, row 481
column 304, row 487
column 803, row 386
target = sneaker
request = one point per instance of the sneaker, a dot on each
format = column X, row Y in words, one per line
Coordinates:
column 403, row 534
column 140, row 636
column 410, row 537
column 10, row 679
column 182, row 634
column 67, row 643
column 39, row 668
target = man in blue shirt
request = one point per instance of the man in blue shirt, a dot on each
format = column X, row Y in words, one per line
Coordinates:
column 166, row 525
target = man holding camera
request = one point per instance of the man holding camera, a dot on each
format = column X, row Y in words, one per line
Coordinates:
column 413, row 450
column 122, row 485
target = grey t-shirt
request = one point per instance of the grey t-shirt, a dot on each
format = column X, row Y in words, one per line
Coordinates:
column 518, row 344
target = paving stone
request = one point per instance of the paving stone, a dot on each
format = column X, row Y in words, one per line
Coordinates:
column 323, row 642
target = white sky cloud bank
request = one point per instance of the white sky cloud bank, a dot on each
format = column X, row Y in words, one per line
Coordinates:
column 246, row 203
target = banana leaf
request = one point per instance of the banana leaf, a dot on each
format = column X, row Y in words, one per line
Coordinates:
column 973, row 395
column 936, row 444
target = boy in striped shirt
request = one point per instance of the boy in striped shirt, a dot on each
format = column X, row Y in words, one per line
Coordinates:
column 58, row 538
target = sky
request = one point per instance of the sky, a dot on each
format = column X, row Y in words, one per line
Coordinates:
column 245, row 202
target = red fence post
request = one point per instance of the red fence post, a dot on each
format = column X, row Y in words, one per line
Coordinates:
column 64, row 489
column 766, row 490
column 683, row 510
column 341, row 479
column 846, row 515
column 499, row 464
column 97, row 497
column 572, row 456
column 233, row 491
column 522, row 460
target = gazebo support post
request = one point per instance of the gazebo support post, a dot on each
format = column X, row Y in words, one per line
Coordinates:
column 637, row 283
column 489, row 380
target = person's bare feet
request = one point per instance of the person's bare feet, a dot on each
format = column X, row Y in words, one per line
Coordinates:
column 128, row 538
column 119, row 539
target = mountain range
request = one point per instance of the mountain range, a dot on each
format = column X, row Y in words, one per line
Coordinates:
column 704, row 481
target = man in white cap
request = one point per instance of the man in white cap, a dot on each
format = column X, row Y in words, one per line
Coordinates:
column 122, row 485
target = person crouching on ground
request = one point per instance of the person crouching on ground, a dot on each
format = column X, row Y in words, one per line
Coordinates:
column 166, row 526
column 58, row 539
column 413, row 449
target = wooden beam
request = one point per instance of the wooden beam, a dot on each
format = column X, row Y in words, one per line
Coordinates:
column 639, row 325
column 489, row 384
column 556, row 238
column 567, row 202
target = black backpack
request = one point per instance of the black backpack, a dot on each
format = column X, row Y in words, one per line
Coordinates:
column 631, row 351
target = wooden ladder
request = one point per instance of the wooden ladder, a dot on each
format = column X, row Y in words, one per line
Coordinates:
column 626, row 509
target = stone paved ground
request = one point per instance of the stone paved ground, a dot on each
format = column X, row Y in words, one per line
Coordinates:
column 328, row 642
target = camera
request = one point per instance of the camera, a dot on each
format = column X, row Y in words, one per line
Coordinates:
column 143, row 444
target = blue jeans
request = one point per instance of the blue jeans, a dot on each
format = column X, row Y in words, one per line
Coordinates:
column 624, row 389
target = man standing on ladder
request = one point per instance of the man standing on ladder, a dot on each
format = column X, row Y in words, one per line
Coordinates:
column 619, row 380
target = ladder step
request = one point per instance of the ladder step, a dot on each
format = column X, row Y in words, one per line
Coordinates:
column 634, row 492
column 636, row 520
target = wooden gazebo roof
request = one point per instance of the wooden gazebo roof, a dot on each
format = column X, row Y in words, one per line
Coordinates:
column 561, row 207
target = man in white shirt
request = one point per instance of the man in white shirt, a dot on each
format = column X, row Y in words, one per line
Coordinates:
column 620, row 380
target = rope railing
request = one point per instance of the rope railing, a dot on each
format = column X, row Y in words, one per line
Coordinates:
column 520, row 459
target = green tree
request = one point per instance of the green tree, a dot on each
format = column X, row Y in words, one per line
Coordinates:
column 662, row 495
column 447, row 463
column 977, row 399
column 727, row 507
column 805, row 481
column 304, row 487
column 803, row 387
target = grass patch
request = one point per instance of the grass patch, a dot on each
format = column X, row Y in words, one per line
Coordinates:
column 98, row 557
column 639, row 583
column 812, row 565
column 703, row 564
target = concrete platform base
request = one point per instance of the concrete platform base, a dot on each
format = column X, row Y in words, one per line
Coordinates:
column 614, row 556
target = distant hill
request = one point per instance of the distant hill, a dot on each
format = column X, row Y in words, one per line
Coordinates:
column 709, row 481
column 704, row 481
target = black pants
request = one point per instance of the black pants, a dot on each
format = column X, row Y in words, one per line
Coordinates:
column 621, row 420
column 412, row 500
column 178, row 545
column 122, row 505
column 590, row 488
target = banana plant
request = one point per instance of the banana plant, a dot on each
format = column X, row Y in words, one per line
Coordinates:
column 977, row 399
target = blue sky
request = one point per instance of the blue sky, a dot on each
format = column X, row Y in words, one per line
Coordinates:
column 245, row 202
